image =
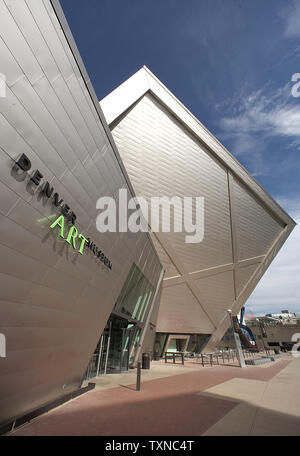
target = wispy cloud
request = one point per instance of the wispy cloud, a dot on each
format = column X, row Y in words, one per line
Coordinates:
column 251, row 122
column 267, row 111
column 291, row 15
column 252, row 119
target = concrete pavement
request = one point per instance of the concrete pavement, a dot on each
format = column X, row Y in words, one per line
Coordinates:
column 185, row 400
column 265, row 407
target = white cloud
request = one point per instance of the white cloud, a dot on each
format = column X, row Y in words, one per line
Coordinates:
column 272, row 112
column 250, row 118
column 286, row 121
column 279, row 288
column 291, row 15
column 250, row 122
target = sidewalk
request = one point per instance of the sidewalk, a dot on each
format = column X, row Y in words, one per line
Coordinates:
column 264, row 408
column 185, row 400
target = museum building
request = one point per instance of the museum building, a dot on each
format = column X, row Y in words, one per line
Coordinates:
column 76, row 303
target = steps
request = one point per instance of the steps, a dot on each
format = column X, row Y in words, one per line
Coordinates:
column 261, row 360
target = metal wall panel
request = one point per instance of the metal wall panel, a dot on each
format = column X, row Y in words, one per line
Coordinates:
column 256, row 228
column 54, row 302
column 182, row 168
column 243, row 275
column 180, row 312
column 218, row 292
column 18, row 46
column 166, row 261
column 164, row 159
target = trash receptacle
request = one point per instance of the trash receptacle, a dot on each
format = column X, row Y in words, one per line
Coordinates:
column 156, row 356
column 146, row 361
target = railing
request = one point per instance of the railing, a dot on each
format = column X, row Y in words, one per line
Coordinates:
column 224, row 355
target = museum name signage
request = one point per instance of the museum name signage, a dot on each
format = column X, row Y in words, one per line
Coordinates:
column 69, row 233
column 71, row 237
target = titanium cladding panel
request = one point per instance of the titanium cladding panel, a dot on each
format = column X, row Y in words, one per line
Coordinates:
column 168, row 152
column 54, row 302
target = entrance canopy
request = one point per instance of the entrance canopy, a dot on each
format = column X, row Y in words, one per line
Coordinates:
column 168, row 152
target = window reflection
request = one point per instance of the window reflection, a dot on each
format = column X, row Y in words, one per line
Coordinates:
column 136, row 295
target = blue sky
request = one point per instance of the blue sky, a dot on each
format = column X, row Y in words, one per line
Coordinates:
column 231, row 63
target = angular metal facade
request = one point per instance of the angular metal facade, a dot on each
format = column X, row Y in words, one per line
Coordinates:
column 54, row 302
column 168, row 152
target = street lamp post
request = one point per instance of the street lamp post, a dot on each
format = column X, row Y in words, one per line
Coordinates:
column 240, row 354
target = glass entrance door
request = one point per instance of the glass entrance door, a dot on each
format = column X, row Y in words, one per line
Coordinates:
column 115, row 348
column 127, row 341
column 120, row 339
column 115, row 351
column 112, row 351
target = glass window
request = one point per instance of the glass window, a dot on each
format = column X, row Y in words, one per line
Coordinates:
column 136, row 295
column 134, row 344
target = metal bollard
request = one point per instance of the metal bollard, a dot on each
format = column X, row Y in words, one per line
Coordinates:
column 138, row 377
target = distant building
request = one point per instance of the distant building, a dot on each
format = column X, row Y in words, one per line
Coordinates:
column 283, row 317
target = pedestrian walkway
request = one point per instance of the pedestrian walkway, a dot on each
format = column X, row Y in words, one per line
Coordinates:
column 185, row 400
column 264, row 407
